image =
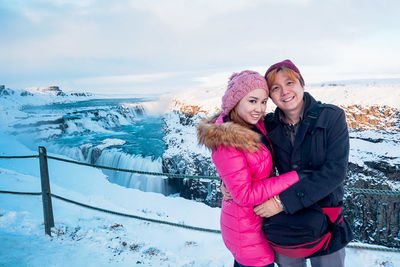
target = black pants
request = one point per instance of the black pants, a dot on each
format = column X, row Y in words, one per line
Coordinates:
column 237, row 264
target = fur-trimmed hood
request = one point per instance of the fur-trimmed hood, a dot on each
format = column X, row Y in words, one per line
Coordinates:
column 212, row 134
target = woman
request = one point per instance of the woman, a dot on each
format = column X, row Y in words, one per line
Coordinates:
column 237, row 138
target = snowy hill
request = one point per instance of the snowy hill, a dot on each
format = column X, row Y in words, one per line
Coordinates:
column 124, row 241
column 344, row 93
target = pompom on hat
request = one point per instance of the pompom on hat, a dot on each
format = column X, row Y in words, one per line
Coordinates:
column 288, row 64
column 239, row 85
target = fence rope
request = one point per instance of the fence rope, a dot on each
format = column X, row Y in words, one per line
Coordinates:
column 372, row 191
column 386, row 249
column 173, row 175
column 170, row 175
column 115, row 212
column 136, row 216
column 19, row 157
column 21, row 193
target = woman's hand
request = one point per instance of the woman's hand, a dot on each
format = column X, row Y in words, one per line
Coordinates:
column 268, row 208
column 225, row 192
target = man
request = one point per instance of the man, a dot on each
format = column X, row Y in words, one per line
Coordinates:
column 313, row 140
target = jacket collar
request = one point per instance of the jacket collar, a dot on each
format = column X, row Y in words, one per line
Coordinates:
column 215, row 132
column 278, row 136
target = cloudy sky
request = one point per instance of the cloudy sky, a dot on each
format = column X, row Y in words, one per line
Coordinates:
column 159, row 45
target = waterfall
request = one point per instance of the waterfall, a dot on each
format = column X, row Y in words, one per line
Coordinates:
column 136, row 110
column 95, row 131
column 71, row 152
column 117, row 159
column 147, row 183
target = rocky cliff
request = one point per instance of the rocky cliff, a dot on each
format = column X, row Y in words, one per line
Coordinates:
column 383, row 118
column 374, row 164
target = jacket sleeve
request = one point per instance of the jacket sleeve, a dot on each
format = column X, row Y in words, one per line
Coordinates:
column 318, row 184
column 233, row 169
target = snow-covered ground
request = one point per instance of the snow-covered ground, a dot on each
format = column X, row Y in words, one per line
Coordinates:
column 83, row 237
column 91, row 238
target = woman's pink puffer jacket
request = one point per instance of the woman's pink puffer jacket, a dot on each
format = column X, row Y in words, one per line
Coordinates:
column 244, row 165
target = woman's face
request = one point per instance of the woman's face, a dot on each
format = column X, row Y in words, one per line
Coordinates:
column 287, row 93
column 252, row 106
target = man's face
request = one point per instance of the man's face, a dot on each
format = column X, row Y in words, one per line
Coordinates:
column 287, row 94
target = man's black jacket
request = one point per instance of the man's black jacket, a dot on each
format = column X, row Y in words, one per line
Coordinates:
column 323, row 174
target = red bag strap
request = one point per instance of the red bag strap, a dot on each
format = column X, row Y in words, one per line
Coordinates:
column 334, row 214
column 303, row 250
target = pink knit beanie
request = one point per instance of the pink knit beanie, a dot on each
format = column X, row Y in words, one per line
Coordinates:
column 239, row 85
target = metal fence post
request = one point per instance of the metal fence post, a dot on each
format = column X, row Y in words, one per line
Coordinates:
column 46, row 194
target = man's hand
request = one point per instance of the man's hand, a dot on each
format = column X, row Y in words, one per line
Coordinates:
column 225, row 192
column 268, row 208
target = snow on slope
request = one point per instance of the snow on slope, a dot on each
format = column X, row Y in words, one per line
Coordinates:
column 90, row 238
column 11, row 102
column 118, row 239
column 208, row 95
